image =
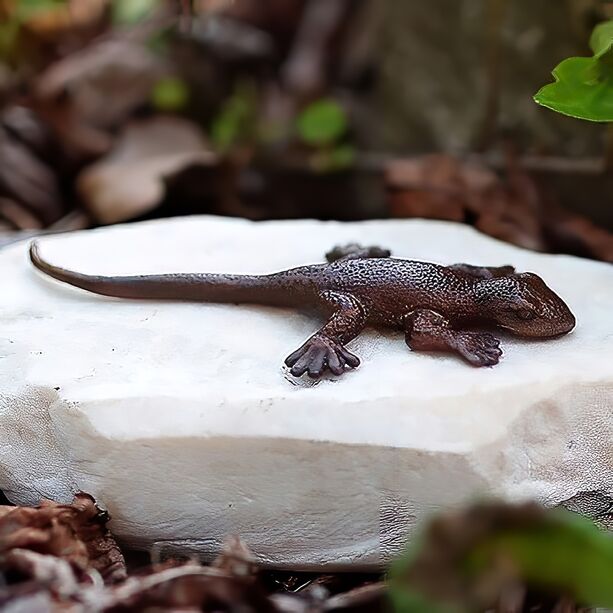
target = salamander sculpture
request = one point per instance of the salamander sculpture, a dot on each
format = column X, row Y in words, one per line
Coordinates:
column 436, row 306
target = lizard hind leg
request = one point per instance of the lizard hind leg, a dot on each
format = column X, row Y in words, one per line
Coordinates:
column 427, row 330
column 353, row 251
column 325, row 350
column 482, row 272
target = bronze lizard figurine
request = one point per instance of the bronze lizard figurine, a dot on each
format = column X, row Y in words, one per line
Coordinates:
column 436, row 306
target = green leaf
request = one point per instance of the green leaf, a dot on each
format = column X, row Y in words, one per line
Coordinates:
column 26, row 9
column 574, row 558
column 601, row 41
column 9, row 35
column 322, row 122
column 583, row 86
column 170, row 94
column 235, row 123
column 128, row 12
column 579, row 91
column 558, row 552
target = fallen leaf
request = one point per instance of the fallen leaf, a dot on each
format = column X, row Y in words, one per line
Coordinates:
column 18, row 215
column 28, row 180
column 430, row 187
column 129, row 181
column 75, row 533
column 104, row 82
column 512, row 207
column 55, row 574
column 85, row 94
column 54, row 557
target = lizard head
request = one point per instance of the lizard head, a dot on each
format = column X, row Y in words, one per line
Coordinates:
column 523, row 304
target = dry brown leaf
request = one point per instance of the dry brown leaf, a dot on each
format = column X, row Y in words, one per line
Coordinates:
column 56, row 574
column 130, row 180
column 18, row 215
column 27, row 180
column 89, row 524
column 512, row 208
column 52, row 553
column 75, row 533
column 433, row 186
column 85, row 94
column 578, row 235
column 103, row 83
column 188, row 587
column 236, row 559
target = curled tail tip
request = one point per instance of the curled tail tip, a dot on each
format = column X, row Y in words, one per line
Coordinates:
column 34, row 251
column 35, row 254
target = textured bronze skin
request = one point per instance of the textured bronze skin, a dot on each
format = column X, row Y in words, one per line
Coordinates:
column 436, row 306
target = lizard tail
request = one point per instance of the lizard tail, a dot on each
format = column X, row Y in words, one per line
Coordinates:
column 279, row 289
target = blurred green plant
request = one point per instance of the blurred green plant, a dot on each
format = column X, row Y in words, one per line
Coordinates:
column 322, row 126
column 170, row 94
column 17, row 15
column 322, row 123
column 128, row 12
column 24, row 9
column 236, row 123
column 14, row 15
column 465, row 561
column 583, row 86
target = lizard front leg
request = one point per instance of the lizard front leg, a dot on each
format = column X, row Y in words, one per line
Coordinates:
column 325, row 349
column 353, row 251
column 428, row 330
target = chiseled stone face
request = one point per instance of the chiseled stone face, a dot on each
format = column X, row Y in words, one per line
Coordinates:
column 182, row 421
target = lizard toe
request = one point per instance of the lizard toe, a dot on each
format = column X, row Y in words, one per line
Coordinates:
column 292, row 358
column 319, row 355
column 349, row 358
column 479, row 349
column 335, row 363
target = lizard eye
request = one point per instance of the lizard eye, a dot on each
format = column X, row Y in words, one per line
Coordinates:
column 525, row 314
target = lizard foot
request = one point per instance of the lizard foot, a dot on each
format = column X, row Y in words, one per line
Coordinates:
column 319, row 354
column 478, row 348
column 353, row 251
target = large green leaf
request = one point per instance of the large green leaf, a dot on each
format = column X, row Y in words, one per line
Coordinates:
column 583, row 86
column 581, row 90
column 457, row 556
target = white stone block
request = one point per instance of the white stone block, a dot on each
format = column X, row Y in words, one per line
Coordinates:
column 182, row 421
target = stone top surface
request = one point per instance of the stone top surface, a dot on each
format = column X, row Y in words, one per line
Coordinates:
column 139, row 368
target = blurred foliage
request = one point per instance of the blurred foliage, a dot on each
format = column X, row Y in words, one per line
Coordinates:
column 320, row 127
column 14, row 16
column 170, row 94
column 26, row 9
column 132, row 11
column 583, row 86
column 334, row 159
column 322, row 123
column 52, row 18
column 235, row 124
column 467, row 561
